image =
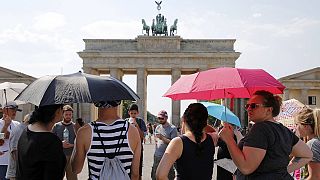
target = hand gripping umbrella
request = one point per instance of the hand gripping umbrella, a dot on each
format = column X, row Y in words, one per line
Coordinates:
column 76, row 88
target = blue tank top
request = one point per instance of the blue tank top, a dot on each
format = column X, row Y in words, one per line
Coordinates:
column 192, row 166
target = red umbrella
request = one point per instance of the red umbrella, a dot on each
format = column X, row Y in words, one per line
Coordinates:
column 223, row 83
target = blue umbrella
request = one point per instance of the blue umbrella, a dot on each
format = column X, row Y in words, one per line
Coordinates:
column 222, row 113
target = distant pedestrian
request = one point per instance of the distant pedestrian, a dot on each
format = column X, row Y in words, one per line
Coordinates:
column 40, row 152
column 142, row 128
column 150, row 132
column 107, row 137
column 164, row 132
column 7, row 125
column 193, row 151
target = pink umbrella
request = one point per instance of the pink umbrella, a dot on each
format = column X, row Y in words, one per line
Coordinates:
column 223, row 83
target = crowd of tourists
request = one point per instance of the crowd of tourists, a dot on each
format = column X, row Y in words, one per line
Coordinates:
column 50, row 144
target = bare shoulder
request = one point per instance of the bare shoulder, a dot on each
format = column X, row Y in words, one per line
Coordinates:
column 84, row 134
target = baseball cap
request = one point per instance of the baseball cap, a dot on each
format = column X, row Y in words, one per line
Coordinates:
column 11, row 105
column 163, row 114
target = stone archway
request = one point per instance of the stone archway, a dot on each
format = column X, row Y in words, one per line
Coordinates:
column 144, row 55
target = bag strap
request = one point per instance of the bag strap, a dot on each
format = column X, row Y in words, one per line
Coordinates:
column 97, row 130
column 118, row 149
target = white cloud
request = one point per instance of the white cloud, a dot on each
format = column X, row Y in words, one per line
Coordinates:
column 112, row 29
column 297, row 26
column 49, row 21
column 256, row 15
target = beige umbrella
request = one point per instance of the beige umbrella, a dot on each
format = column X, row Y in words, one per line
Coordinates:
column 9, row 91
column 289, row 109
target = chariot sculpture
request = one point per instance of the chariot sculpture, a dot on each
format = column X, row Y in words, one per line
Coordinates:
column 159, row 25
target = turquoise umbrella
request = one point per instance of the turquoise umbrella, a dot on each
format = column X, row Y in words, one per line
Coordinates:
column 222, row 113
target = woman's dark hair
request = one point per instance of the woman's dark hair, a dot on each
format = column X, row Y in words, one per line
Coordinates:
column 196, row 116
column 80, row 121
column 44, row 114
column 270, row 100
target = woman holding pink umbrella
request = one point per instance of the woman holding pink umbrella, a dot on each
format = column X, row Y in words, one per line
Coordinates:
column 264, row 152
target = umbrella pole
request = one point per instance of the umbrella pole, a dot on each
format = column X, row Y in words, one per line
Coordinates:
column 5, row 96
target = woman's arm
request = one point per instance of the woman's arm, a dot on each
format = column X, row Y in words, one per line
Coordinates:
column 301, row 155
column 172, row 153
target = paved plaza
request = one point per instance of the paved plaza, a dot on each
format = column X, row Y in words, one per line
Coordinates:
column 147, row 164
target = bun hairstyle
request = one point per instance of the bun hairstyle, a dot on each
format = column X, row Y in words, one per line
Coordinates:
column 270, row 100
column 308, row 116
column 196, row 116
column 44, row 114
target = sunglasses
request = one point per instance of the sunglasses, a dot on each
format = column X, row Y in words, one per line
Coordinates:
column 160, row 118
column 253, row 105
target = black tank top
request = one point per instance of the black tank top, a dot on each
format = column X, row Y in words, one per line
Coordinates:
column 191, row 166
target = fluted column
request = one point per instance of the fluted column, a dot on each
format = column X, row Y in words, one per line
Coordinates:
column 87, row 111
column 304, row 96
column 118, row 74
column 175, row 118
column 142, row 92
column 285, row 94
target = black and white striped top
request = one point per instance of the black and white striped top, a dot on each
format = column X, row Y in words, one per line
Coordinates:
column 110, row 133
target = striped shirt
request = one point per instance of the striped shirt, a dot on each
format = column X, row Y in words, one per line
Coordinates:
column 110, row 133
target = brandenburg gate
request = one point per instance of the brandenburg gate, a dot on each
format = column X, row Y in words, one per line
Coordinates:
column 161, row 53
column 155, row 55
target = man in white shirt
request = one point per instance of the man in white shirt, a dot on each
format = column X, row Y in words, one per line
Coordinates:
column 7, row 124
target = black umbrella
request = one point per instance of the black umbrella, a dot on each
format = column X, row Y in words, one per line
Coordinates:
column 75, row 88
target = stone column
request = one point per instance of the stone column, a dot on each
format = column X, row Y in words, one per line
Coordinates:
column 142, row 92
column 304, row 96
column 117, row 73
column 87, row 111
column 175, row 118
column 286, row 94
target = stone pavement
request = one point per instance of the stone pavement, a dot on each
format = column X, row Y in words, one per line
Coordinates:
column 147, row 164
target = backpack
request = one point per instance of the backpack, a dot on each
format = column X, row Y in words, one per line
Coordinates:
column 112, row 168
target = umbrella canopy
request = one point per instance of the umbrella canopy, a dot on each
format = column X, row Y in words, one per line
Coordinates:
column 223, row 83
column 9, row 91
column 76, row 88
column 289, row 109
column 222, row 113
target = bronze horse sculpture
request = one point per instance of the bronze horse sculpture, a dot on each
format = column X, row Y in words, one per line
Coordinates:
column 173, row 28
column 145, row 27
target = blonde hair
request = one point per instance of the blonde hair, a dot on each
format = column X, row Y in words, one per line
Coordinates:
column 308, row 116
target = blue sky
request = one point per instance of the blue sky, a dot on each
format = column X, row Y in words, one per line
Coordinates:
column 40, row 37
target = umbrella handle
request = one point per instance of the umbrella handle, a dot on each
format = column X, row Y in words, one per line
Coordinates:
column 5, row 96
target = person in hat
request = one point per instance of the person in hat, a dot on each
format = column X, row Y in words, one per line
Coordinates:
column 164, row 132
column 7, row 124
